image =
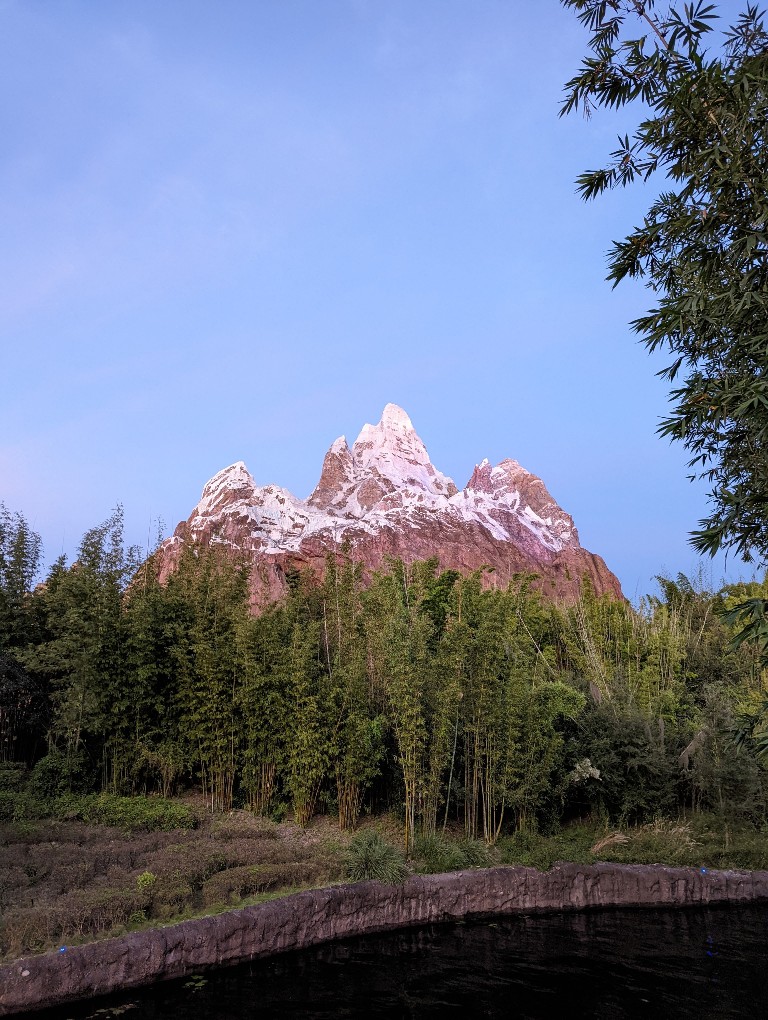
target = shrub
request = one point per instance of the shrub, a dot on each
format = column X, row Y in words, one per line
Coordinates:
column 639, row 778
column 659, row 842
column 289, row 874
column 22, row 807
column 171, row 894
column 435, row 854
column 57, row 774
column 135, row 814
column 24, row 930
column 75, row 917
column 230, row 885
column 13, row 776
column 146, row 881
column 194, row 862
column 369, row 856
column 529, row 849
column 131, row 814
column 7, row 805
column 534, row 850
column 243, row 825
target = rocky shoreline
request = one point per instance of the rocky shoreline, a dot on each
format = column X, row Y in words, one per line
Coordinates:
column 320, row 915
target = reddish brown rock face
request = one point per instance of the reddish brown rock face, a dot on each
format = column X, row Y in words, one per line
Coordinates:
column 383, row 497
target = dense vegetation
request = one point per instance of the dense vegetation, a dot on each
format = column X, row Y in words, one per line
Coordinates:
column 700, row 99
column 435, row 696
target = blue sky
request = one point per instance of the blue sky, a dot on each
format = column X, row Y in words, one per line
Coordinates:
column 237, row 230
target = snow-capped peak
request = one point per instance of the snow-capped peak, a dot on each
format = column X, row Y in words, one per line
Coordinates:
column 339, row 446
column 395, row 416
column 228, row 485
column 383, row 497
column 392, row 450
column 385, row 480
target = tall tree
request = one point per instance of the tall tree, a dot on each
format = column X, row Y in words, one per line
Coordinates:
column 81, row 655
column 20, row 550
column 356, row 724
column 213, row 587
column 702, row 248
column 22, row 701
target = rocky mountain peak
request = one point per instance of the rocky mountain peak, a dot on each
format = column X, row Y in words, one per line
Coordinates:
column 509, row 485
column 383, row 497
column 481, row 477
column 227, row 486
column 336, row 477
column 387, row 465
column 393, row 451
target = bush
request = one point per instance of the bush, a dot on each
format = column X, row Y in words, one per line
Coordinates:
column 7, row 805
column 533, row 850
column 369, row 856
column 171, row 895
column 136, row 814
column 235, row 883
column 639, row 777
column 290, row 874
column 527, row 848
column 231, row 885
column 243, row 825
column 131, row 814
column 660, row 842
column 57, row 774
column 193, row 862
column 22, row 807
column 13, row 776
column 435, row 854
column 72, row 918
column 145, row 882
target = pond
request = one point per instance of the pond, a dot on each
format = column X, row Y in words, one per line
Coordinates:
column 613, row 964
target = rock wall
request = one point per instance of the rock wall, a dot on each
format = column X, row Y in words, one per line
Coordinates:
column 308, row 918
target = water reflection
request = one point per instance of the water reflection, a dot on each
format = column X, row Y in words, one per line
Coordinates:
column 605, row 965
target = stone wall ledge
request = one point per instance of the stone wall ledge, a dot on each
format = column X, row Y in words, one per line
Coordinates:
column 321, row 915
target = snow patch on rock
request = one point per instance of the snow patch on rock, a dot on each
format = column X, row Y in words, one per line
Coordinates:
column 385, row 481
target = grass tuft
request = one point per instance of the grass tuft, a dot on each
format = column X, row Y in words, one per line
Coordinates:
column 435, row 853
column 369, row 856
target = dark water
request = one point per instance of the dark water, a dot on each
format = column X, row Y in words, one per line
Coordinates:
column 607, row 964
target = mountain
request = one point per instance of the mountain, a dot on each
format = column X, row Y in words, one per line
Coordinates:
column 383, row 497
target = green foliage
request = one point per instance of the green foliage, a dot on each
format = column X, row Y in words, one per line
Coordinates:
column 135, row 814
column 439, row 697
column 213, row 588
column 13, row 776
column 8, row 802
column 80, row 656
column 131, row 814
column 65, row 882
column 59, row 773
column 20, row 551
column 698, row 841
column 637, row 764
column 307, row 743
column 22, row 700
column 146, row 881
column 701, row 247
column 535, row 850
column 435, row 853
column 370, row 856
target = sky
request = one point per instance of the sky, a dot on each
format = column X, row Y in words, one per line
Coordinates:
column 236, row 230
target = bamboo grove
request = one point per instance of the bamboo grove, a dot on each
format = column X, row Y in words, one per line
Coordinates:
column 437, row 696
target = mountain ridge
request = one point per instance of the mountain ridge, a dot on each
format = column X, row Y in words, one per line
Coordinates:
column 383, row 497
